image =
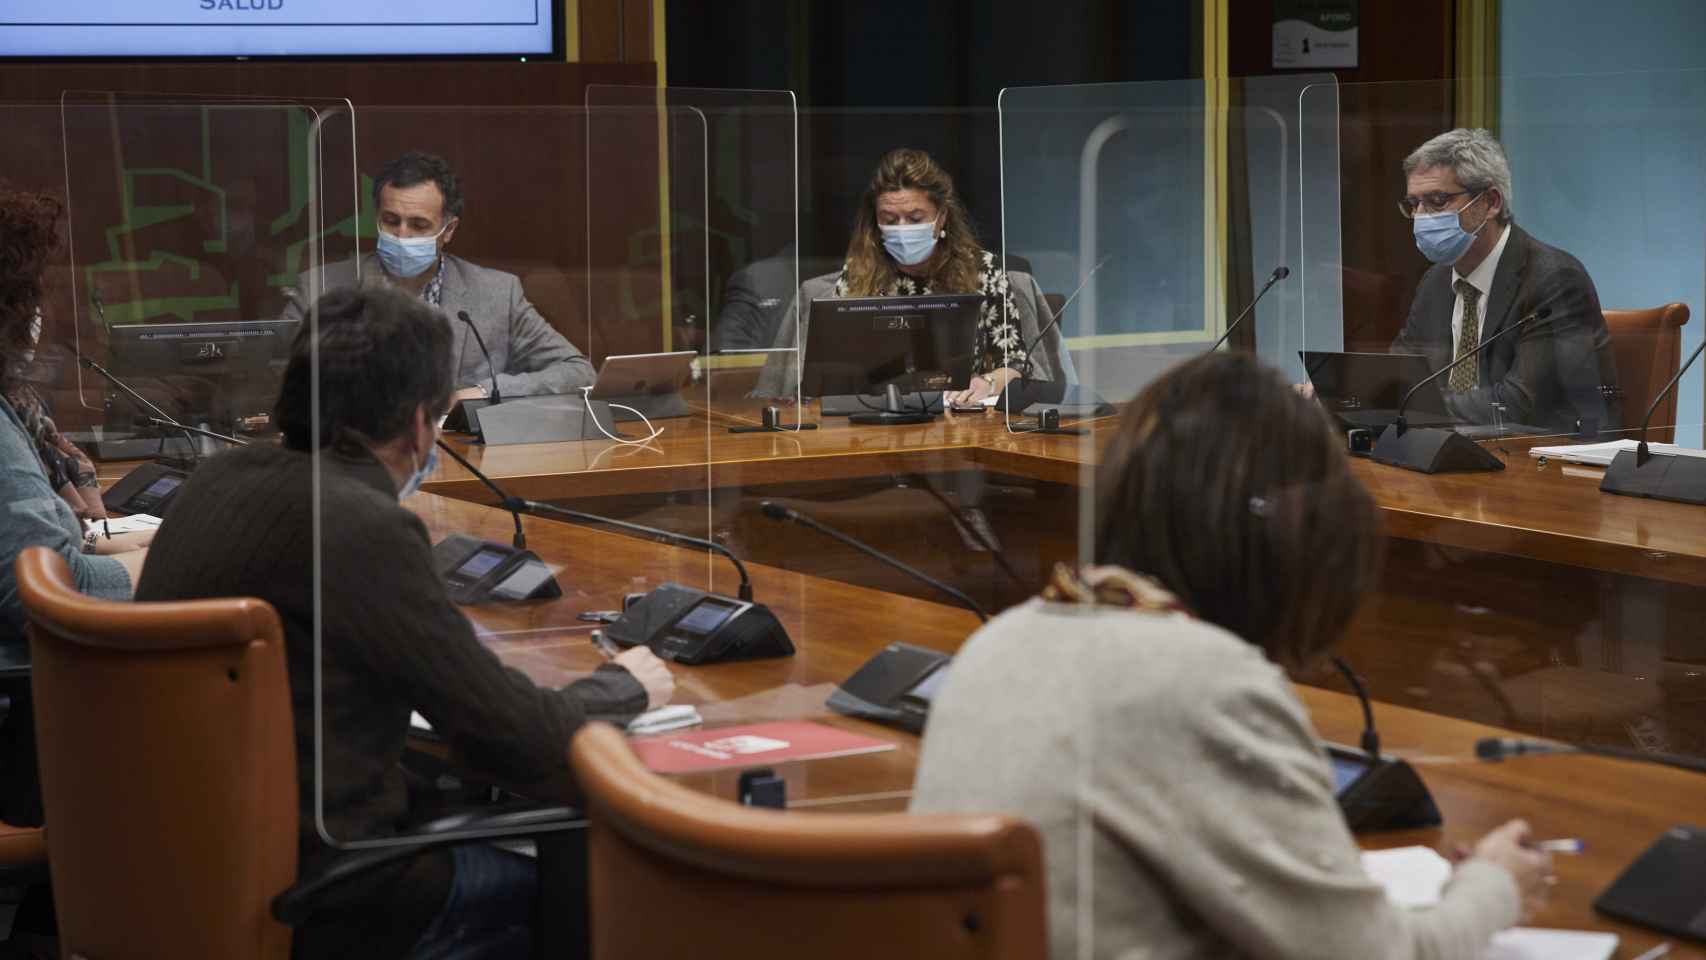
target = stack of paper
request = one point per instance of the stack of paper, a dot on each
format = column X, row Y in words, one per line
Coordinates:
column 1601, row 454
column 1415, row 877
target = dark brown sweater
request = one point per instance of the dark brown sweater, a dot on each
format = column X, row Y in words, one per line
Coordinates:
column 390, row 642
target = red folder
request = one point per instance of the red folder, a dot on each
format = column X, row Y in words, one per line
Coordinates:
column 750, row 745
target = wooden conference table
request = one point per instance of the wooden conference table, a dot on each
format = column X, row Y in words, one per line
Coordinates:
column 1618, row 808
column 1551, row 512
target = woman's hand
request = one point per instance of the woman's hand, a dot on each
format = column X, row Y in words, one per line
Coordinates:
column 121, row 542
column 983, row 386
column 1510, row 847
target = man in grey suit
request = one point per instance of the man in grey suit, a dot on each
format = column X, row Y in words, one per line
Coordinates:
column 1558, row 374
column 419, row 203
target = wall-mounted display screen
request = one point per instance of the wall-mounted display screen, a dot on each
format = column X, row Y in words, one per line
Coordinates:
column 277, row 28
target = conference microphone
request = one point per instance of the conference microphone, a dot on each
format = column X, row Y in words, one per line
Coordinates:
column 496, row 397
column 776, row 511
column 1435, row 450
column 1280, row 273
column 504, row 499
column 1054, row 321
column 1045, row 391
column 679, row 623
column 1375, row 792
column 1670, row 477
column 141, row 401
column 1495, row 749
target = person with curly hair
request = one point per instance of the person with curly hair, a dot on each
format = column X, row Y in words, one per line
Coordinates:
column 36, row 466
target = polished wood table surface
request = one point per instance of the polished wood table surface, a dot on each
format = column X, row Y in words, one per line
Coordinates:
column 1617, row 808
column 1550, row 512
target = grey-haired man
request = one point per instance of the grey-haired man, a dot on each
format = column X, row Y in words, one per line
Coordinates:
column 1557, row 374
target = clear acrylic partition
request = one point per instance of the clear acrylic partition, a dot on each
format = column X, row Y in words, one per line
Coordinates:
column 190, row 221
column 584, row 224
column 1114, row 197
column 1528, row 598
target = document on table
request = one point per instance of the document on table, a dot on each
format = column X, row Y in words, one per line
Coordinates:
column 1601, row 454
column 135, row 523
column 1415, row 877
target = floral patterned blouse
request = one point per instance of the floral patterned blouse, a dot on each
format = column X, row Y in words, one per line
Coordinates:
column 998, row 333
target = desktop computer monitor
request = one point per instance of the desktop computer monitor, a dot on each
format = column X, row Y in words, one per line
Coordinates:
column 225, row 375
column 890, row 347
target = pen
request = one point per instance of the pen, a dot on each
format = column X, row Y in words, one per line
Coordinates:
column 1656, row 952
column 106, row 529
column 1563, row 845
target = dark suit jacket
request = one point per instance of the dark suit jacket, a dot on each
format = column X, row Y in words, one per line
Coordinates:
column 1559, row 373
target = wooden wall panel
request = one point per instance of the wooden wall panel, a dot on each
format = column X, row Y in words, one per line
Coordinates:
column 1388, row 105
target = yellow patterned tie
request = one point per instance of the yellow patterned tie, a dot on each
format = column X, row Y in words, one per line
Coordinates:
column 1465, row 375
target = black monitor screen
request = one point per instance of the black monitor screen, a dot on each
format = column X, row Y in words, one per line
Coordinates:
column 862, row 345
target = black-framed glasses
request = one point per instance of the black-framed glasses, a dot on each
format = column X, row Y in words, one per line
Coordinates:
column 1428, row 203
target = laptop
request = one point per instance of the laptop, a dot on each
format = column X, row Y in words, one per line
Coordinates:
column 651, row 383
column 1362, row 390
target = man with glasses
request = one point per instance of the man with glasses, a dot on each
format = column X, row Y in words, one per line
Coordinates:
column 1557, row 374
column 418, row 203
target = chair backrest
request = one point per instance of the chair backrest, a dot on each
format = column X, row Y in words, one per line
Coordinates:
column 674, row 872
column 168, row 769
column 1648, row 347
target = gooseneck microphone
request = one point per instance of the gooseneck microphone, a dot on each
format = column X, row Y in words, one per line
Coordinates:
column 776, row 511
column 1399, row 423
column 505, row 500
column 160, row 416
column 1370, row 738
column 462, row 315
column 1496, row 749
column 1054, row 321
column 518, row 506
column 1642, row 454
column 1280, row 273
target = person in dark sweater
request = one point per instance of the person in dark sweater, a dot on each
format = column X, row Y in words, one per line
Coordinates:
column 390, row 640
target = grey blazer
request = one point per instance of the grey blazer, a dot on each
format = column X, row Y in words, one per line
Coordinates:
column 781, row 369
column 1551, row 374
column 531, row 356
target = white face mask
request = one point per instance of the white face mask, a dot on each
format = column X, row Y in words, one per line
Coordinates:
column 910, row 244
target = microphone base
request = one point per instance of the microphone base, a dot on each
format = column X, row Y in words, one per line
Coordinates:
column 1663, row 477
column 536, row 420
column 890, row 419
column 1432, row 450
column 657, row 620
column 1389, row 795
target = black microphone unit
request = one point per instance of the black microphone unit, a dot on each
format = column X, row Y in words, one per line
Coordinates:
column 151, row 487
column 1437, row 450
column 897, row 686
column 679, row 623
column 1280, row 273
column 1658, row 476
column 1386, row 794
column 1661, row 888
column 684, row 624
column 1043, row 391
column 143, row 401
column 479, row 571
column 465, row 418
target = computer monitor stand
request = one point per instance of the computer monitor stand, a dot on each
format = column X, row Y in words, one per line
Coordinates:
column 893, row 414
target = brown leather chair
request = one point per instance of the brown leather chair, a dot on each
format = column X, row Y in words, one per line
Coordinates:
column 674, row 872
column 168, row 769
column 1648, row 347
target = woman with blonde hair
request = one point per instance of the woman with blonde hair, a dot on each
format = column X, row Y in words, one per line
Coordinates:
column 912, row 236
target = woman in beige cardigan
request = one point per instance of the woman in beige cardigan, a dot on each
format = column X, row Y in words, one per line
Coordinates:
column 1139, row 713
